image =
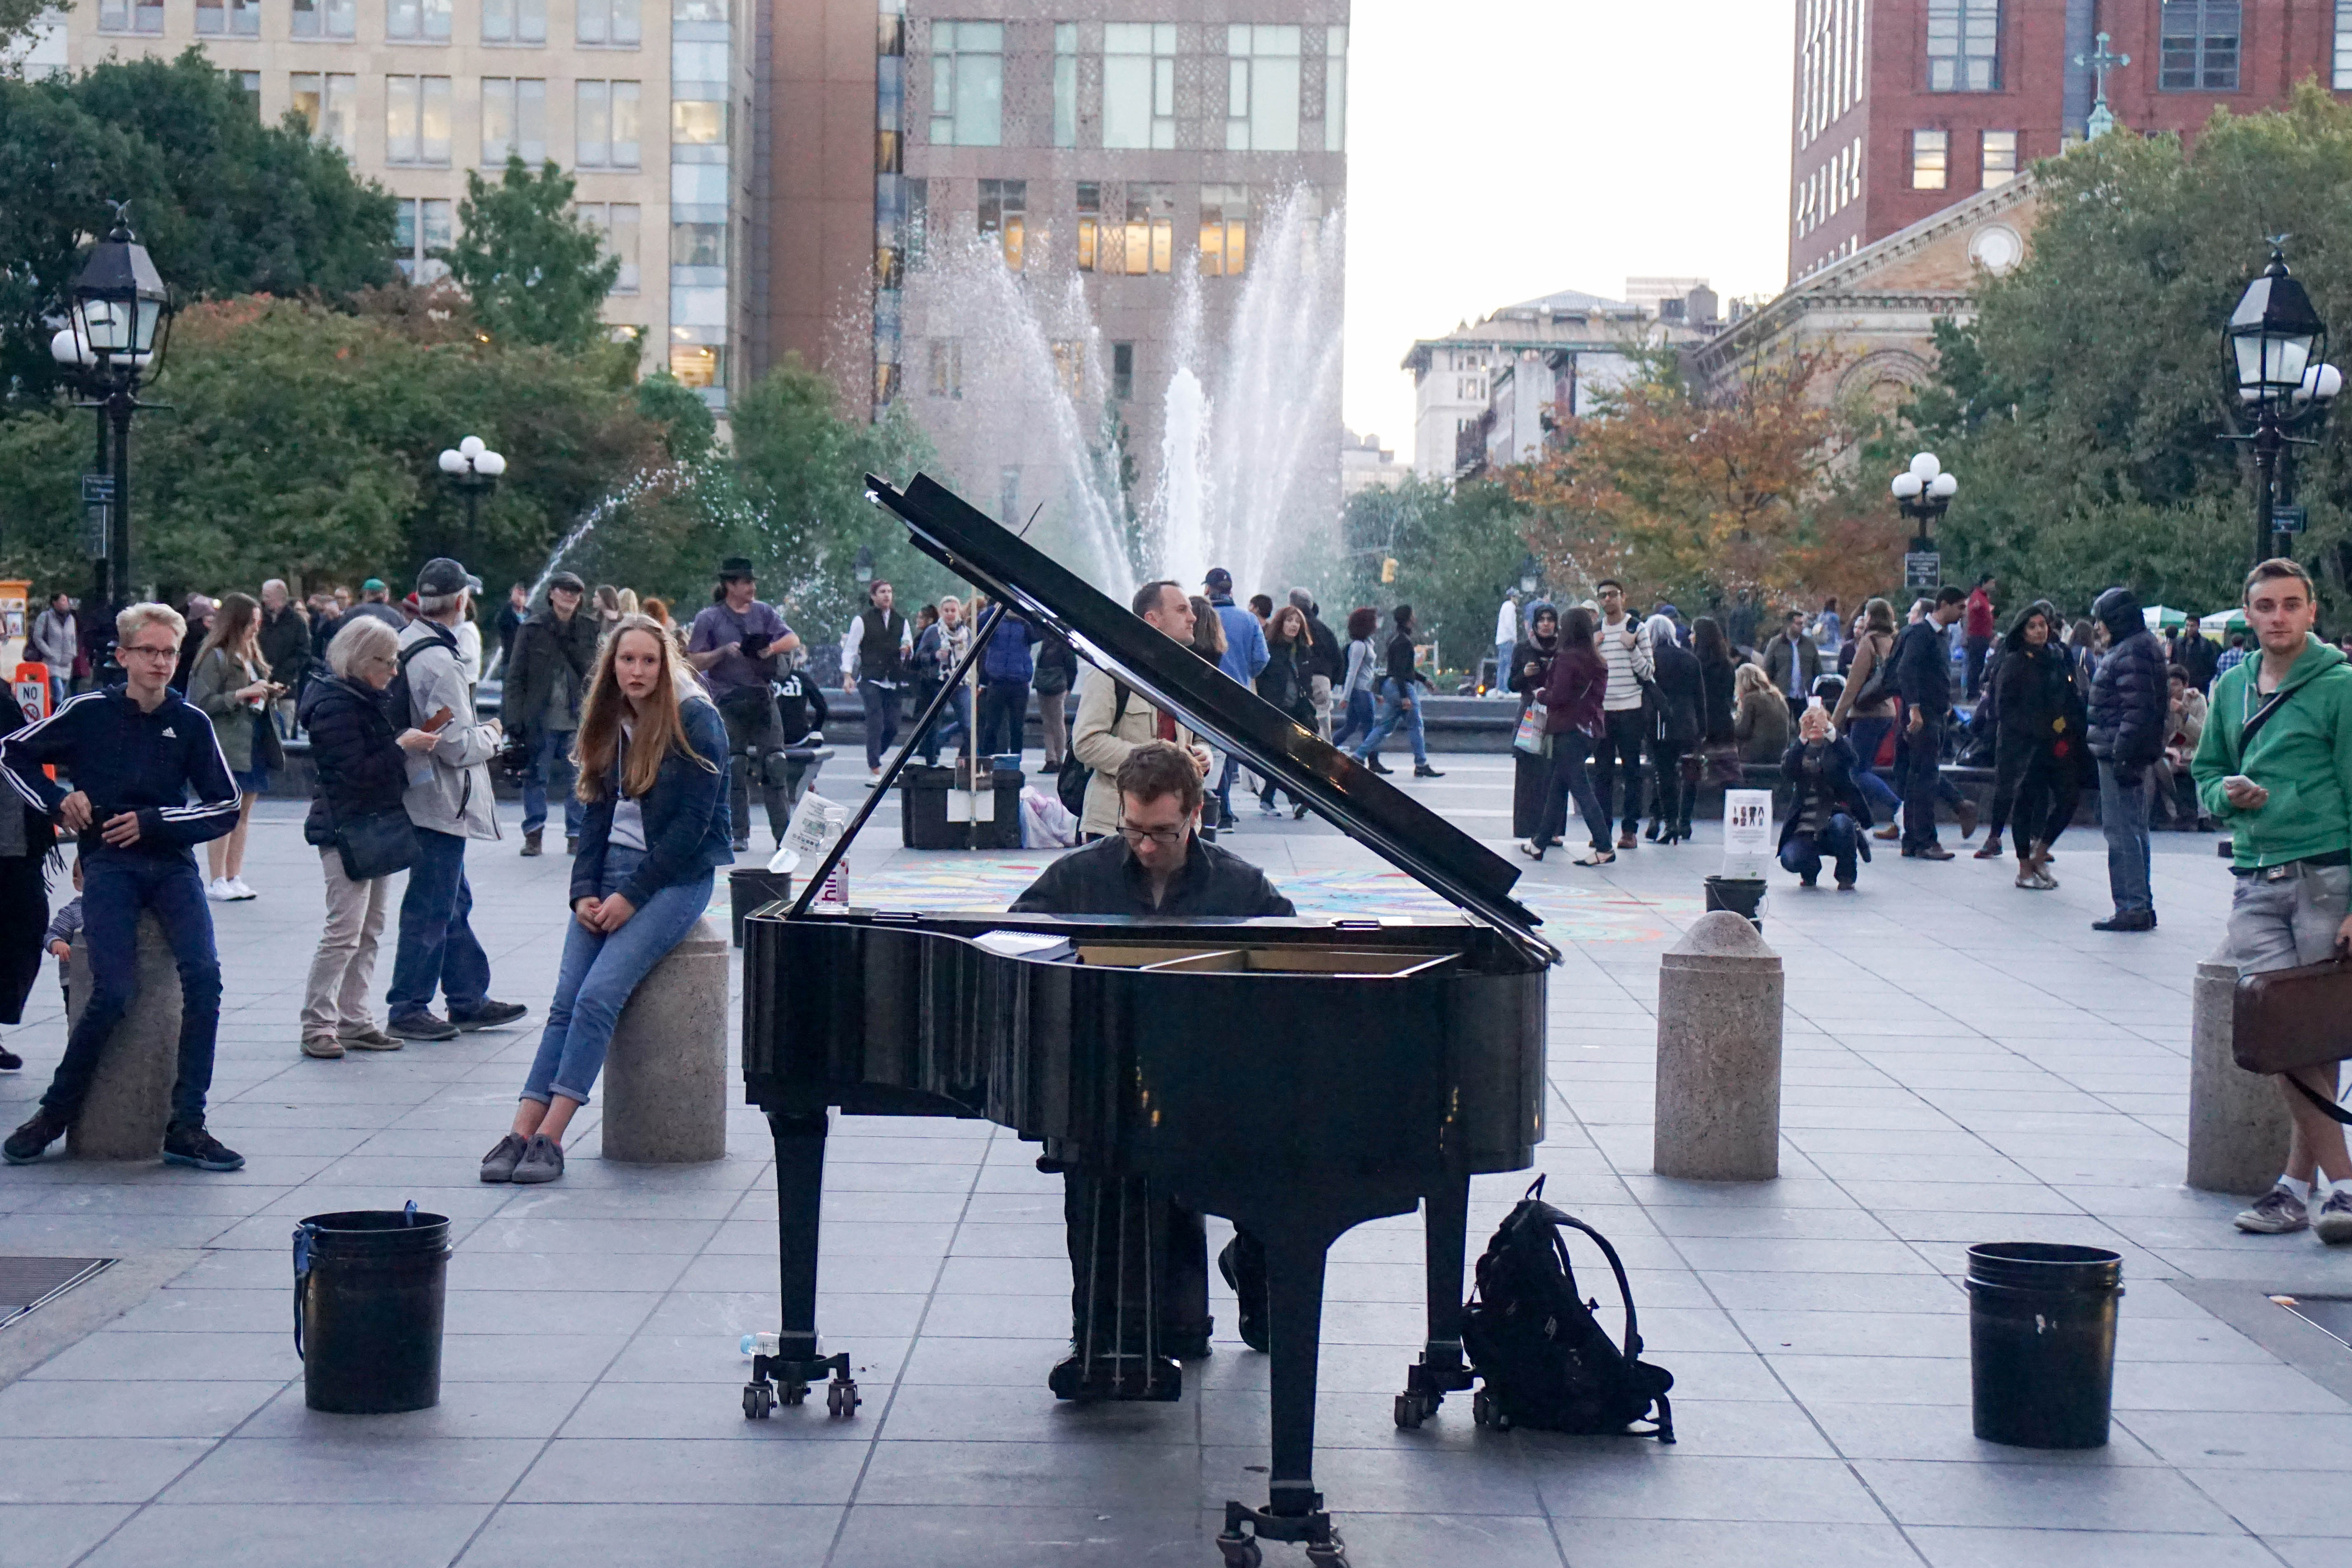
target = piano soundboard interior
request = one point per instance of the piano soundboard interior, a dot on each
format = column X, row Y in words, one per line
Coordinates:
column 1288, row 959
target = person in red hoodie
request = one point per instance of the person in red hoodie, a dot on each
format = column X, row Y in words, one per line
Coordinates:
column 1572, row 718
column 1978, row 629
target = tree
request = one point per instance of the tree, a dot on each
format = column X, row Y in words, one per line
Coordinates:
column 2085, row 408
column 532, row 269
column 226, row 204
column 1456, row 548
column 1704, row 497
column 16, row 19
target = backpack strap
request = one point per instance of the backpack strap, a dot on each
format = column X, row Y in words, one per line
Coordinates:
column 1633, row 1346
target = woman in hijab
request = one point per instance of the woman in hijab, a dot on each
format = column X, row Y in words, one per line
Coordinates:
column 1676, row 719
column 1531, row 668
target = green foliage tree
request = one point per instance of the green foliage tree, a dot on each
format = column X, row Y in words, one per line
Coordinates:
column 1456, row 548
column 16, row 18
column 531, row 267
column 2085, row 408
column 226, row 204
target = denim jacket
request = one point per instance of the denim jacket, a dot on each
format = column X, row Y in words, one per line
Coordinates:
column 685, row 815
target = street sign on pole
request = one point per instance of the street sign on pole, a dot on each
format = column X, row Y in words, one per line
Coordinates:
column 1922, row 569
column 2287, row 518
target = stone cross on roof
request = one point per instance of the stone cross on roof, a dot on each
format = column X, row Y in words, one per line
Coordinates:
column 2099, row 62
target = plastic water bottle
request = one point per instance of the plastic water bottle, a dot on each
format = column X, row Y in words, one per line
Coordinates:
column 759, row 1344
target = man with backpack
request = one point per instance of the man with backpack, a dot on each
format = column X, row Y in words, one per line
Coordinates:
column 1113, row 719
column 2130, row 696
column 2275, row 766
column 1923, row 674
column 448, row 802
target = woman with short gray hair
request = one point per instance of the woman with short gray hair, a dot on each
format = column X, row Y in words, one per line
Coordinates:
column 362, row 768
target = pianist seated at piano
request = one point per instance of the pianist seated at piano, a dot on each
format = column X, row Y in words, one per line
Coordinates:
column 1153, row 864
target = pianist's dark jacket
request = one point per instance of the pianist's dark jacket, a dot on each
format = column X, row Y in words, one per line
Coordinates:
column 1103, row 878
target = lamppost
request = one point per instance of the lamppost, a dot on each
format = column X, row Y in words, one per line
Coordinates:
column 119, row 306
column 473, row 470
column 1923, row 493
column 2276, row 344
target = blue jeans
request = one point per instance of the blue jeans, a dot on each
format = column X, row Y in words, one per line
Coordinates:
column 437, row 948
column 1866, row 736
column 1570, row 780
column 2123, row 815
column 116, row 888
column 1358, row 719
column 880, row 704
column 552, row 767
column 1503, row 651
column 600, row 971
column 1839, row 839
column 1393, row 714
column 1003, row 718
column 953, row 728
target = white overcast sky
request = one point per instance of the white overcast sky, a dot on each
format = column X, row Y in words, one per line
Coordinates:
column 1498, row 150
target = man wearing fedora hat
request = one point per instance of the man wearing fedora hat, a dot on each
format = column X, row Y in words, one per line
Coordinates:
column 735, row 644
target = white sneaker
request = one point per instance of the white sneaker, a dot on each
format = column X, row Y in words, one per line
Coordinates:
column 2332, row 1222
column 238, row 890
column 218, row 891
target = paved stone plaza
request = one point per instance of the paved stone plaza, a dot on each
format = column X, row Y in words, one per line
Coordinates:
column 1965, row 1062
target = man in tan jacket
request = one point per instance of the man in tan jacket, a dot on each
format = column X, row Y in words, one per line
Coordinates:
column 1107, row 729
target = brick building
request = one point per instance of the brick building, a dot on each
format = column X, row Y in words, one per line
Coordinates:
column 1903, row 107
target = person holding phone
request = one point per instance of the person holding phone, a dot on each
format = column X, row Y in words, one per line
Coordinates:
column 230, row 681
column 2275, row 767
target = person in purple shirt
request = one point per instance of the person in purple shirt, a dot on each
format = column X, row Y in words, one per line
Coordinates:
column 735, row 644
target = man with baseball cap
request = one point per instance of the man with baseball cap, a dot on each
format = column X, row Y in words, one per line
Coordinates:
column 1245, row 657
column 375, row 600
column 547, row 679
column 448, row 801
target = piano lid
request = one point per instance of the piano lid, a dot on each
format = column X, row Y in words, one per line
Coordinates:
column 1364, row 805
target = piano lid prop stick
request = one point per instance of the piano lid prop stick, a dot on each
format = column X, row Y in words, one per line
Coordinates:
column 874, row 797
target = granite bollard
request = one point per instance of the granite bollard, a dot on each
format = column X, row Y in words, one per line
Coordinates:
column 666, row 1076
column 1718, row 1073
column 130, row 1101
column 2238, row 1127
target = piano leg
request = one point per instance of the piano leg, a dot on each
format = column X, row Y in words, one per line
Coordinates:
column 799, row 1193
column 1446, row 1240
column 1293, row 1509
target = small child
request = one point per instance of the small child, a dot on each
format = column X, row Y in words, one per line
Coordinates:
column 64, row 926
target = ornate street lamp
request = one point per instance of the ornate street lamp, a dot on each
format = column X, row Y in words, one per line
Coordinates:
column 473, row 470
column 2276, row 344
column 1923, row 493
column 118, row 323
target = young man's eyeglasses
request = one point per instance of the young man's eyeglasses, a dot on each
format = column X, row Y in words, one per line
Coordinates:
column 1166, row 837
column 131, row 649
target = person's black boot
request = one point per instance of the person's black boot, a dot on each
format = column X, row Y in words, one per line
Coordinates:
column 26, row 1144
column 11, row 1062
column 1243, row 1266
column 192, row 1145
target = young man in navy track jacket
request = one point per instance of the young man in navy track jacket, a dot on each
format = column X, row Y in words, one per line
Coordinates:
column 135, row 753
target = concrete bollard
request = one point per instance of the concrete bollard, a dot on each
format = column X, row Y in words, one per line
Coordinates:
column 2237, row 1126
column 129, row 1099
column 666, row 1076
column 1718, row 1092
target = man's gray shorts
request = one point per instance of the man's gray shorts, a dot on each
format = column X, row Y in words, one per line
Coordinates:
column 2291, row 921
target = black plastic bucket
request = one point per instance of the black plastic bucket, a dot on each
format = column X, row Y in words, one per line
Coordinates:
column 368, row 1294
column 1742, row 896
column 2041, row 1342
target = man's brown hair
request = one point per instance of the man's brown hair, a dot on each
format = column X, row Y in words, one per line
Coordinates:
column 1157, row 768
column 1152, row 595
column 2277, row 566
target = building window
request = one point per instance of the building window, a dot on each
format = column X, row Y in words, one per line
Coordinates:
column 1963, row 46
column 130, row 16
column 2200, row 46
column 1138, row 84
column 514, row 21
column 416, row 120
column 249, row 84
column 1999, row 158
column 1261, row 88
column 326, row 18
column 421, row 233
column 1469, row 389
column 229, row 18
column 1151, row 230
column 1004, row 213
column 604, row 119
column 2342, row 78
column 695, row 122
column 698, row 365
column 1930, row 156
column 616, row 229
column 425, row 21
column 947, row 367
column 698, row 244
column 968, row 84
column 610, row 21
column 327, row 102
column 1224, row 230
column 1122, row 370
column 514, row 120
column 1089, row 223
column 1070, row 367
column 1066, row 84
column 1335, row 89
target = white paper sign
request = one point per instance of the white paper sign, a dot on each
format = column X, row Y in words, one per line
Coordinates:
column 1746, row 831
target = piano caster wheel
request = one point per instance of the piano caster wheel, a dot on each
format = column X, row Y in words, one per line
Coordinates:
column 1412, row 1409
column 796, row 1392
column 1334, row 1555
column 841, row 1399
column 1240, row 1550
column 759, row 1401
column 1483, row 1411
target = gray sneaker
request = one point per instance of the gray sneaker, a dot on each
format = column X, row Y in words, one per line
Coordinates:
column 2333, row 1224
column 2277, row 1212
column 499, row 1164
column 542, row 1161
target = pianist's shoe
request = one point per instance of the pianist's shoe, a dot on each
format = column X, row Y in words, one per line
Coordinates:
column 1245, row 1270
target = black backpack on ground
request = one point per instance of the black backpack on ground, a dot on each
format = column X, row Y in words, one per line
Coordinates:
column 1544, row 1359
column 1070, row 783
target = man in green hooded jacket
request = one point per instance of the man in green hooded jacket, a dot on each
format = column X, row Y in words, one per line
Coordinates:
column 2287, row 797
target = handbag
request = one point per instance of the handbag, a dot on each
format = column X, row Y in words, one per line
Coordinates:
column 377, row 844
column 2288, row 1018
column 1532, row 737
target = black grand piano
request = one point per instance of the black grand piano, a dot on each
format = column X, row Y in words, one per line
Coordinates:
column 1297, row 1076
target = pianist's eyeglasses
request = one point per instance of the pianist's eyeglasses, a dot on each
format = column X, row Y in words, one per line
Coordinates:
column 1166, row 837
